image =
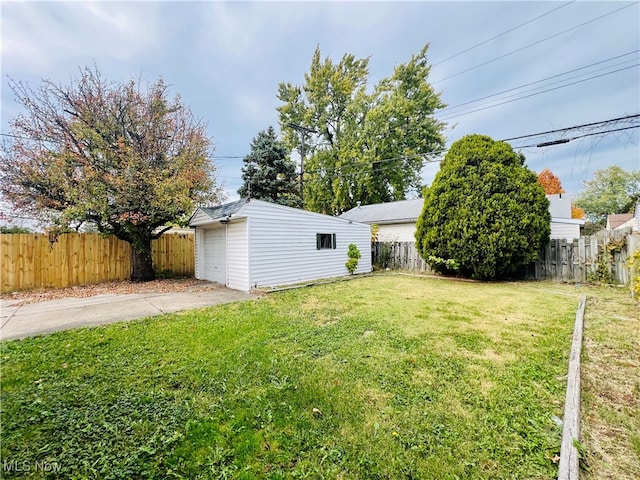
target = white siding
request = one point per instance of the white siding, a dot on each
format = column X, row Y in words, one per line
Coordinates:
column 238, row 255
column 568, row 231
column 397, row 232
column 560, row 205
column 199, row 254
column 213, row 266
column 282, row 245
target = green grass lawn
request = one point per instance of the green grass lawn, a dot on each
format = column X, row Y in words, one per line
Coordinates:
column 380, row 377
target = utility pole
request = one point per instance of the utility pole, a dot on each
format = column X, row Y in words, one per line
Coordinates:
column 302, row 130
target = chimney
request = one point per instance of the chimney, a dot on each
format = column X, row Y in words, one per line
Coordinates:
column 358, row 203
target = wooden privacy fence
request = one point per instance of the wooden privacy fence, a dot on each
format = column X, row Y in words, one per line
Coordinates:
column 32, row 261
column 398, row 256
column 598, row 257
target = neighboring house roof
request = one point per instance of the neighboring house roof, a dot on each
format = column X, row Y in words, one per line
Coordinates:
column 569, row 221
column 404, row 211
column 617, row 219
column 174, row 230
column 632, row 223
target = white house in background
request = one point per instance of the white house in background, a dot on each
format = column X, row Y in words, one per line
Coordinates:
column 620, row 221
column 562, row 225
column 252, row 244
column 396, row 220
column 634, row 222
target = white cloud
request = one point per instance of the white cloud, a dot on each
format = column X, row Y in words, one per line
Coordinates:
column 39, row 37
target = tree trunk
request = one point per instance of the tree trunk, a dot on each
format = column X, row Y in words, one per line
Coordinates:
column 142, row 262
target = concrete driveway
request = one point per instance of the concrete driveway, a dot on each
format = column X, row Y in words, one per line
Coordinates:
column 54, row 315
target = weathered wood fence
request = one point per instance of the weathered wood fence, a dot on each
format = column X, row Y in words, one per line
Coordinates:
column 601, row 255
column 32, row 261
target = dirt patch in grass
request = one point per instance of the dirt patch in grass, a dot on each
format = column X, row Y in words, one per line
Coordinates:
column 168, row 285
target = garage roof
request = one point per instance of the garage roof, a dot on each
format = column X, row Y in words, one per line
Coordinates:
column 225, row 210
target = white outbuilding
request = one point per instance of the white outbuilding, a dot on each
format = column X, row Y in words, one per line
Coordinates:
column 563, row 226
column 253, row 244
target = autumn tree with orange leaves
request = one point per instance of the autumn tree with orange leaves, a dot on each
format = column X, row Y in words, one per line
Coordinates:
column 552, row 185
column 550, row 182
column 124, row 160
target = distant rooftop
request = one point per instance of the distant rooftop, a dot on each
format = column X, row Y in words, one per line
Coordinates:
column 617, row 219
column 404, row 211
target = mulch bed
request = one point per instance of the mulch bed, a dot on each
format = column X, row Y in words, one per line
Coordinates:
column 168, row 285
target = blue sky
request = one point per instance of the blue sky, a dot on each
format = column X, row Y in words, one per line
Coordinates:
column 227, row 59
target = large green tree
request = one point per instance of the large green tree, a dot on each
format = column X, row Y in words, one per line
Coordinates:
column 485, row 213
column 268, row 172
column 360, row 145
column 612, row 190
column 122, row 159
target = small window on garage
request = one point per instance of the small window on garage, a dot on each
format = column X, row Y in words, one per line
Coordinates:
column 325, row 241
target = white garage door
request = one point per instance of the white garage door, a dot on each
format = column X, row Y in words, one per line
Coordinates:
column 215, row 255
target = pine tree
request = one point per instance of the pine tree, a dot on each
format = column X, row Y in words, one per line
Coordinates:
column 268, row 172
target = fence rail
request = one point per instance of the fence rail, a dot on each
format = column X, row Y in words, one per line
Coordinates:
column 601, row 256
column 31, row 261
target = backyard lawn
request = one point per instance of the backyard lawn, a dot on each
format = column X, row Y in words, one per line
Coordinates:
column 380, row 377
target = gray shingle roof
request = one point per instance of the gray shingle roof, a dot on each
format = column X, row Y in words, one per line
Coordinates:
column 404, row 211
column 225, row 210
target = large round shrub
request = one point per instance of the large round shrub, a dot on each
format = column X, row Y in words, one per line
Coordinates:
column 485, row 214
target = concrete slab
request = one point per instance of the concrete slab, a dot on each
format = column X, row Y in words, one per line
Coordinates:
column 63, row 314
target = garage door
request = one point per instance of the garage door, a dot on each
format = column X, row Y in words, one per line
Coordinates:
column 215, row 256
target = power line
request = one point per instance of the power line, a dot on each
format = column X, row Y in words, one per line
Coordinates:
column 542, row 80
column 537, row 93
column 443, row 152
column 50, row 140
column 533, row 44
column 567, row 140
column 502, row 34
column 426, row 160
column 611, row 120
column 384, row 160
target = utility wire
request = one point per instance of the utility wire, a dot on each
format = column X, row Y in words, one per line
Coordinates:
column 541, row 80
column 567, row 140
column 612, row 120
column 455, row 115
column 443, row 152
column 533, row 44
column 51, row 140
column 502, row 34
